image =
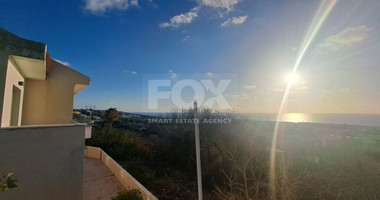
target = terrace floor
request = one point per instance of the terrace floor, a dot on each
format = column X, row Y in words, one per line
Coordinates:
column 98, row 182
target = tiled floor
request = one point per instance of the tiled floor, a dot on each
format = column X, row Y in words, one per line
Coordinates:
column 98, row 182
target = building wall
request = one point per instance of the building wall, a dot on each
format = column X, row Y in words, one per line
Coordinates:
column 46, row 161
column 12, row 78
column 49, row 101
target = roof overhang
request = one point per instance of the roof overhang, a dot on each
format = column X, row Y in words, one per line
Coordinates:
column 30, row 68
column 79, row 80
column 80, row 87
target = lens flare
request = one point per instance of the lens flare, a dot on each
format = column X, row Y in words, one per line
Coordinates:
column 323, row 11
column 292, row 78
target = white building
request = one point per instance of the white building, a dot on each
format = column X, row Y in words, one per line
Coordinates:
column 39, row 141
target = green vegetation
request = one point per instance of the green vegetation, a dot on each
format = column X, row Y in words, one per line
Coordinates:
column 348, row 170
column 314, row 161
column 7, row 182
column 132, row 194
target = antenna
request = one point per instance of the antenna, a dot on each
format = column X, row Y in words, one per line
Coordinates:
column 89, row 108
column 198, row 151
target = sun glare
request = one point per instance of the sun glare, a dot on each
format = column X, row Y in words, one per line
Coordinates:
column 292, row 78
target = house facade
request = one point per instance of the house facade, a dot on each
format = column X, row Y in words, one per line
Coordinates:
column 39, row 142
column 35, row 89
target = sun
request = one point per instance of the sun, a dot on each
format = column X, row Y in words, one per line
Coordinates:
column 292, row 78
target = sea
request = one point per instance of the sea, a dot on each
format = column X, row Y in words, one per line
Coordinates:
column 372, row 120
column 350, row 119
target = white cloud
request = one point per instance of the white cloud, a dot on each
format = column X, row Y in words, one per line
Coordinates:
column 131, row 72
column 275, row 89
column 234, row 21
column 62, row 62
column 249, row 87
column 209, row 74
column 188, row 17
column 173, row 75
column 178, row 20
column 101, row 6
column 185, row 38
column 347, row 90
column 223, row 4
column 303, row 88
column 134, row 3
column 347, row 37
column 244, row 96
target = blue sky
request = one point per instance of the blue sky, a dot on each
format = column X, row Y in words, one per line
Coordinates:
column 119, row 42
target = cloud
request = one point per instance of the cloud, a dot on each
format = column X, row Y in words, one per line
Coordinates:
column 347, row 37
column 303, row 88
column 249, row 87
column 244, row 96
column 134, row 3
column 223, row 4
column 62, row 62
column 275, row 89
column 172, row 74
column 185, row 38
column 188, row 17
column 234, row 21
column 131, row 72
column 102, row 6
column 184, row 18
column 347, row 90
column 209, row 74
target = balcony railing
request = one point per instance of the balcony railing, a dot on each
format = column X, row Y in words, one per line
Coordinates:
column 119, row 172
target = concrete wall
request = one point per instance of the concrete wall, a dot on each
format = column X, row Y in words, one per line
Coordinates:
column 12, row 78
column 50, row 101
column 11, row 44
column 47, row 161
column 123, row 176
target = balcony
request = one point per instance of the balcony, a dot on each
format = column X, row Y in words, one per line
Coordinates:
column 103, row 177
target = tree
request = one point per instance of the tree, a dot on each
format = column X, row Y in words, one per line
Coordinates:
column 111, row 116
column 243, row 167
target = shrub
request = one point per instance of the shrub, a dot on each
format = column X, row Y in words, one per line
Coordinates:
column 132, row 194
column 7, row 182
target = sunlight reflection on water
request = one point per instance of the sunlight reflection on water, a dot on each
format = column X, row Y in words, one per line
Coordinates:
column 352, row 119
column 295, row 117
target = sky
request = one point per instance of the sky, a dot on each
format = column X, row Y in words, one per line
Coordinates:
column 122, row 44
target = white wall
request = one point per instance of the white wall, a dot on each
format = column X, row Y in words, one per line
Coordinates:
column 47, row 161
column 12, row 79
column 50, row 101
